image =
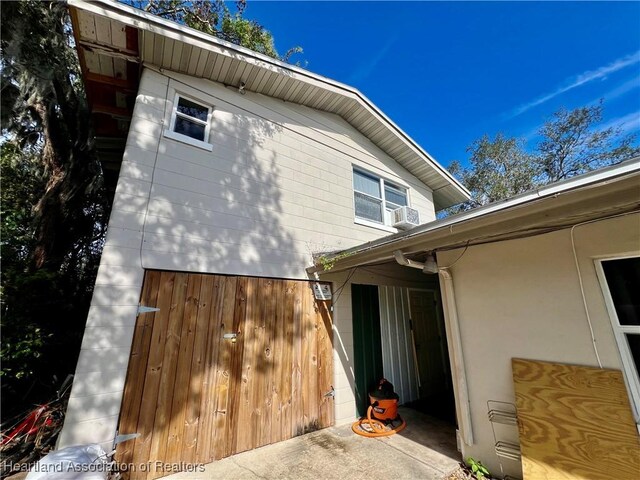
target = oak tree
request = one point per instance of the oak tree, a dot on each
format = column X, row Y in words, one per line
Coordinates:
column 571, row 143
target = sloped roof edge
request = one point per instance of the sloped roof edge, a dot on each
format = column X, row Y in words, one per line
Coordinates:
column 447, row 190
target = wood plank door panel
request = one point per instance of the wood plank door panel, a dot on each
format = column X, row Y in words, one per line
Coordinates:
column 195, row 396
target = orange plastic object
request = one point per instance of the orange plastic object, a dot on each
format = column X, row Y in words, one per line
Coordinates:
column 371, row 427
column 384, row 409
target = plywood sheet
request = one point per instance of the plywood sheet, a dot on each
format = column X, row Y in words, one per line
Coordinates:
column 574, row 422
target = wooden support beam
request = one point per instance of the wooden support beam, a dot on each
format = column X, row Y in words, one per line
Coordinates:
column 116, row 82
column 111, row 110
column 128, row 55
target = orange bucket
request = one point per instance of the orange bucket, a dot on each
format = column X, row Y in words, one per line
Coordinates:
column 384, row 409
column 382, row 417
column 384, row 401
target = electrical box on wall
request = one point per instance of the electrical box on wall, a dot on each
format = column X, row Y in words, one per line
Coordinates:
column 322, row 291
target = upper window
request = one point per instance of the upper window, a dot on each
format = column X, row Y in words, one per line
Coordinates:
column 375, row 197
column 622, row 282
column 190, row 119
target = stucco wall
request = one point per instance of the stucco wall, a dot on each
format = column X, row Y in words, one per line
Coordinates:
column 521, row 298
column 276, row 187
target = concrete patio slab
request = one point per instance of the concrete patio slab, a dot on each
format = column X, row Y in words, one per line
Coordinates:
column 425, row 450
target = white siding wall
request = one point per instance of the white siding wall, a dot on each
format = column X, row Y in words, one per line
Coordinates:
column 276, row 188
column 522, row 299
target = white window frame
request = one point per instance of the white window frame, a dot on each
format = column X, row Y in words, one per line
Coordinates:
column 172, row 134
column 385, row 210
column 631, row 374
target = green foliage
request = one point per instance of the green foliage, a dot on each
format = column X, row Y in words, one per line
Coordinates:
column 43, row 310
column 214, row 18
column 500, row 168
column 22, row 183
column 46, row 116
column 52, row 203
column 328, row 261
column 571, row 144
column 478, row 470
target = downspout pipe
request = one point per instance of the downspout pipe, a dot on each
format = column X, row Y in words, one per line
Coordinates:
column 428, row 267
column 405, row 262
column 452, row 328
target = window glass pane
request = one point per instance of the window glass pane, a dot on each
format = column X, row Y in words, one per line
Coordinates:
column 189, row 128
column 634, row 346
column 192, row 109
column 368, row 208
column 395, row 195
column 623, row 279
column 366, row 184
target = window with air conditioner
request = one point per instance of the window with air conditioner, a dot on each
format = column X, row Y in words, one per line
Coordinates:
column 190, row 122
column 620, row 280
column 376, row 198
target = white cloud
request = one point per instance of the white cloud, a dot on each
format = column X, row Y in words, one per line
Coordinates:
column 365, row 69
column 626, row 123
column 577, row 81
column 620, row 90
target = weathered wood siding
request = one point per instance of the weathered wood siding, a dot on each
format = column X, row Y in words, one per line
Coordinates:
column 194, row 396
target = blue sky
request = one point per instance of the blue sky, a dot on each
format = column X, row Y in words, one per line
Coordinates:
column 449, row 72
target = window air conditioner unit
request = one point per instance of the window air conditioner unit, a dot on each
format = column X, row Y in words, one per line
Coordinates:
column 406, row 217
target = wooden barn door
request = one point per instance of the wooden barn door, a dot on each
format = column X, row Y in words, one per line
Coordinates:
column 226, row 364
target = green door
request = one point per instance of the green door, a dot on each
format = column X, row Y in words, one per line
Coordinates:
column 367, row 346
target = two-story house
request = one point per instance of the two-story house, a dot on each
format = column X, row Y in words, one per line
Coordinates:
column 231, row 174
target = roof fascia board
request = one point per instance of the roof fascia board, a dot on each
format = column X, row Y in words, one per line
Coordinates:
column 512, row 208
column 134, row 17
column 140, row 19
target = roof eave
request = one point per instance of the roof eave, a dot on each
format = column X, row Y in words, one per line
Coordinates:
column 444, row 196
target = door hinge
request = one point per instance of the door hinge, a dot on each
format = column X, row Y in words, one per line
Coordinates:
column 330, row 393
column 125, row 437
column 145, row 309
